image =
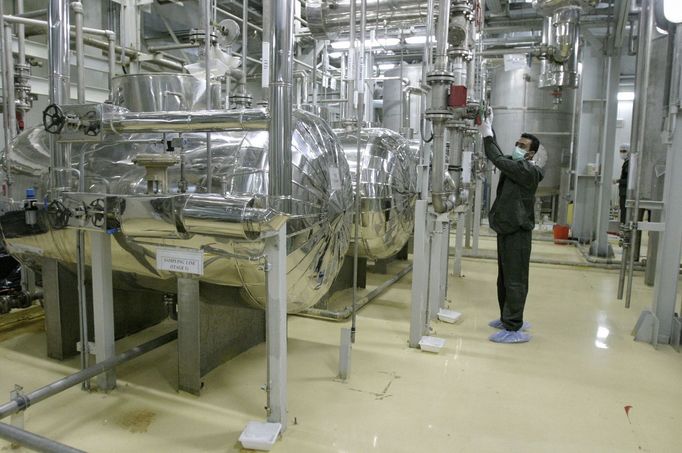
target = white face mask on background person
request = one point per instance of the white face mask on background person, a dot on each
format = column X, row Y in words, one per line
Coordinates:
column 623, row 155
column 518, row 153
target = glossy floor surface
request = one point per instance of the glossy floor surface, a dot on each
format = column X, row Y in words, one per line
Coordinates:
column 580, row 385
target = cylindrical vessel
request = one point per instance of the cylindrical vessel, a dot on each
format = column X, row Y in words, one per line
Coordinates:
column 520, row 107
column 318, row 230
column 397, row 102
column 388, row 189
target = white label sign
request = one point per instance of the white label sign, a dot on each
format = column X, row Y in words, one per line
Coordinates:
column 185, row 261
column 265, row 58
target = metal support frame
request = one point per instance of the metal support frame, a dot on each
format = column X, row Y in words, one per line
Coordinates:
column 103, row 305
column 478, row 202
column 189, row 336
column 276, row 326
column 420, row 275
column 659, row 324
column 601, row 247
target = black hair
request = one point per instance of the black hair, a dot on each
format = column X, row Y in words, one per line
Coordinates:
column 534, row 142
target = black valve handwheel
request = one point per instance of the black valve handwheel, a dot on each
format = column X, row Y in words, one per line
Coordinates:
column 53, row 119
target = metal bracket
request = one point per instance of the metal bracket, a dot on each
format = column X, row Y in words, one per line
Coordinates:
column 676, row 337
column 646, row 328
column 650, row 226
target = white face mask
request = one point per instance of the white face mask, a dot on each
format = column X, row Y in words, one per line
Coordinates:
column 518, row 153
column 623, row 155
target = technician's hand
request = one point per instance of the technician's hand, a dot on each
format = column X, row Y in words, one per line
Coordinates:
column 486, row 127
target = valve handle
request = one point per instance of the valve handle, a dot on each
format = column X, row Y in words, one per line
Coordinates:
column 53, row 119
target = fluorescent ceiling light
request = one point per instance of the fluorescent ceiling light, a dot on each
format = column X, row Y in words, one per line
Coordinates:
column 626, row 96
column 335, row 54
column 385, row 42
column 418, row 39
column 341, row 45
column 385, row 66
column 672, row 10
column 381, row 42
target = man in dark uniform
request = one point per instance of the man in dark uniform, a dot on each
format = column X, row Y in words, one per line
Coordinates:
column 623, row 180
column 512, row 218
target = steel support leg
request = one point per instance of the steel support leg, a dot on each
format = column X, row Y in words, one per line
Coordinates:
column 189, row 336
column 103, row 305
column 420, row 275
column 478, row 201
column 662, row 311
column 459, row 246
column 276, row 325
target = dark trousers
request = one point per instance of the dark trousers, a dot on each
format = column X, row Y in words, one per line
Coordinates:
column 623, row 211
column 513, row 261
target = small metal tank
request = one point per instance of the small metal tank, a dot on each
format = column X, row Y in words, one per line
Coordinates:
column 520, row 106
column 388, row 189
column 318, row 231
column 395, row 100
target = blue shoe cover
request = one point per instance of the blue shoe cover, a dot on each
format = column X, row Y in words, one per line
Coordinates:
column 497, row 324
column 509, row 336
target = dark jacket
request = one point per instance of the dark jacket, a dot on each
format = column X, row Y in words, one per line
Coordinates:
column 623, row 181
column 514, row 207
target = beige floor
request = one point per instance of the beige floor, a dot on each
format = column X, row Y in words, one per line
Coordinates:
column 565, row 391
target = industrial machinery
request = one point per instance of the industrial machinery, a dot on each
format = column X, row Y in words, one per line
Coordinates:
column 158, row 183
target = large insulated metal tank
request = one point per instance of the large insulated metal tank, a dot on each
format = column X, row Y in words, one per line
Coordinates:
column 397, row 101
column 318, row 231
column 388, row 189
column 520, row 106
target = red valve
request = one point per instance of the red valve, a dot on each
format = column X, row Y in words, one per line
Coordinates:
column 458, row 96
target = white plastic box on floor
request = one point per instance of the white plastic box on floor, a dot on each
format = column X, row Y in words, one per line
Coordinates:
column 260, row 435
column 431, row 344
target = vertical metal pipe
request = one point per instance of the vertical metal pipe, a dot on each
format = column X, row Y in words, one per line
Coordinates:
column 358, row 169
column 281, row 75
column 112, row 62
column 21, row 35
column 641, row 129
column 77, row 8
column 80, row 243
column 314, row 87
column 9, row 69
column 207, row 61
column 439, row 103
column 59, row 86
column 245, row 43
column 351, row 69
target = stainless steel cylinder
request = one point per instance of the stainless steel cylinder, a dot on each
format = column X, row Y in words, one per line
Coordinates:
column 318, row 228
column 388, row 189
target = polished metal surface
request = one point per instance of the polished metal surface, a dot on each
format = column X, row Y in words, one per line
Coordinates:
column 161, row 92
column 318, row 228
column 327, row 19
column 388, row 187
column 520, row 107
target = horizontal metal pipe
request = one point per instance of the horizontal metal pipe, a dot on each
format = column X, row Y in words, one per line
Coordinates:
column 131, row 53
column 35, row 13
column 23, row 20
column 183, row 121
column 24, row 401
column 178, row 46
column 34, row 441
column 346, row 312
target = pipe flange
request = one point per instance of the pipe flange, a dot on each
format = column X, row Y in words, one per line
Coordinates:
column 464, row 9
column 438, row 114
column 460, row 52
column 241, row 100
column 440, row 77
